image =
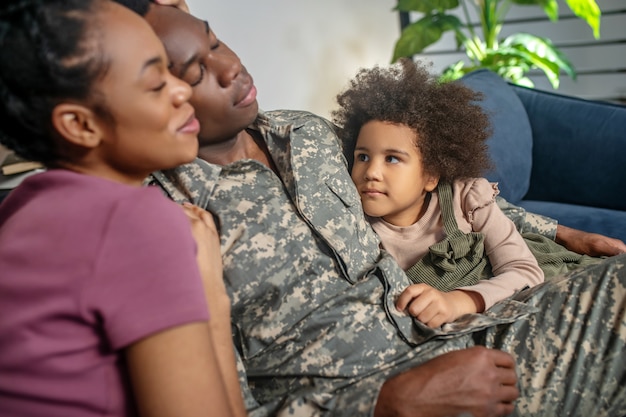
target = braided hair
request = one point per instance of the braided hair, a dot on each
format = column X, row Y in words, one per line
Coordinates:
column 49, row 53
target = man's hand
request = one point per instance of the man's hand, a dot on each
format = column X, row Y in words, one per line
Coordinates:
column 181, row 4
column 433, row 307
column 586, row 243
column 478, row 381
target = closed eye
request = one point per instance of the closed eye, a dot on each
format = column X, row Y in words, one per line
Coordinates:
column 159, row 87
column 200, row 76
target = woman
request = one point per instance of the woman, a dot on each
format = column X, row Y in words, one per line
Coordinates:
column 100, row 314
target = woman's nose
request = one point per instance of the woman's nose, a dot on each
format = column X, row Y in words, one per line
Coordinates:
column 181, row 91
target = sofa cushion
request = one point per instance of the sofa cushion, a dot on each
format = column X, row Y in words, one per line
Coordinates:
column 510, row 144
column 579, row 149
column 591, row 219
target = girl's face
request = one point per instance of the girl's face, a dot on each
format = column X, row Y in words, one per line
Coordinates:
column 389, row 174
column 153, row 125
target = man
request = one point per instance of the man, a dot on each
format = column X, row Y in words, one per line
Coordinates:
column 313, row 310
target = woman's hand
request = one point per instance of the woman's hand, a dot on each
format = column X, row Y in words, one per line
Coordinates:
column 181, row 4
column 207, row 239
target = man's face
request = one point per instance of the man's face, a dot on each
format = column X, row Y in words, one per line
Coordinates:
column 224, row 94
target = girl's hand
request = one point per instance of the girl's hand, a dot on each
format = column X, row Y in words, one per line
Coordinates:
column 433, row 307
column 181, row 4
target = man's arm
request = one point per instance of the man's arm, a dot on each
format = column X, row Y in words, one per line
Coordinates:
column 477, row 381
column 592, row 244
column 578, row 241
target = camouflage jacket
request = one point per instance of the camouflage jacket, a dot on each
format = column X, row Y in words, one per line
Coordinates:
column 313, row 315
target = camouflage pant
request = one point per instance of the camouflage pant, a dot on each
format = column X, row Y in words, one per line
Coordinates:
column 571, row 355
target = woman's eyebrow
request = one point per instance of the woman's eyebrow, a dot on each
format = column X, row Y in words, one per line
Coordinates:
column 150, row 62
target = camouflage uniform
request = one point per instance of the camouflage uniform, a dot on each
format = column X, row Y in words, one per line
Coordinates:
column 313, row 313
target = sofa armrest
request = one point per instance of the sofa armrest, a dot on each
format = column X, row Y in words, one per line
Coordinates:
column 579, row 149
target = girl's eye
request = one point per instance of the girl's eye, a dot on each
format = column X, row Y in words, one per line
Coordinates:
column 200, row 76
column 362, row 157
column 392, row 159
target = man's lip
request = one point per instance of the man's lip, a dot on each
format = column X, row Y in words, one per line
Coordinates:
column 249, row 95
column 191, row 125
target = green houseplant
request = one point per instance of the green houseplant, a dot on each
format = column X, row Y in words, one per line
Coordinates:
column 512, row 58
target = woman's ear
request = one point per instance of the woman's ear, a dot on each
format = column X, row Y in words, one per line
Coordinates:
column 77, row 124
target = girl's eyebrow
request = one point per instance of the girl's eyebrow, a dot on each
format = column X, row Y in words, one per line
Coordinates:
column 400, row 151
column 390, row 150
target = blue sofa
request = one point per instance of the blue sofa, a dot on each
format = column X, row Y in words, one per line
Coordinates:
column 556, row 155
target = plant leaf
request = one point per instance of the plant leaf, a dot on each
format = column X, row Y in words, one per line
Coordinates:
column 550, row 69
column 426, row 6
column 550, row 7
column 542, row 48
column 426, row 31
column 589, row 11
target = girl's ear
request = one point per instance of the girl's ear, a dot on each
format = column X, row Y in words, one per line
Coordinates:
column 432, row 183
column 77, row 124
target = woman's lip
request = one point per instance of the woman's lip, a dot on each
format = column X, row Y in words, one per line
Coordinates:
column 192, row 125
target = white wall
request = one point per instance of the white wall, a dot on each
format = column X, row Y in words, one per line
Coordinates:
column 302, row 53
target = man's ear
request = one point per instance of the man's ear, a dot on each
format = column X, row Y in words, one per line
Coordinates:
column 77, row 124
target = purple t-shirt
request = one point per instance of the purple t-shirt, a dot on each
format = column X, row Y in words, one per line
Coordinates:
column 87, row 267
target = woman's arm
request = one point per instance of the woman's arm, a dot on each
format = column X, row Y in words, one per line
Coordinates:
column 158, row 316
column 210, row 263
column 176, row 373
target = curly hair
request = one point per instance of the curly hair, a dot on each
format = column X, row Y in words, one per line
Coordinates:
column 450, row 128
column 49, row 53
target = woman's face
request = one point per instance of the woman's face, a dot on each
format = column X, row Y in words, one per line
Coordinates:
column 153, row 125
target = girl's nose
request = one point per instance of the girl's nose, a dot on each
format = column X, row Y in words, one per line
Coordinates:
column 372, row 172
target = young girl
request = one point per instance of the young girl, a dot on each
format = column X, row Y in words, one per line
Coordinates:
column 419, row 149
column 102, row 302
